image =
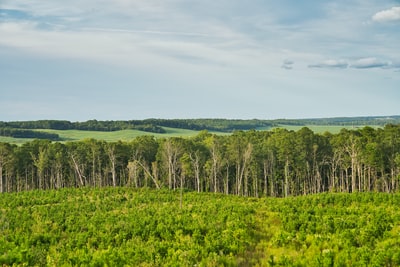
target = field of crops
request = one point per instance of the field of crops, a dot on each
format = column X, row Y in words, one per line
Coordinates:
column 126, row 227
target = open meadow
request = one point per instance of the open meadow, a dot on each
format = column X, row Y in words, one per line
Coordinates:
column 127, row 135
column 109, row 136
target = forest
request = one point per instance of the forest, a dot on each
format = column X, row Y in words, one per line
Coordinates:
column 277, row 163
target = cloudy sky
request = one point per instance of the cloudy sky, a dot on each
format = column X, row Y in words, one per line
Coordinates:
column 136, row 59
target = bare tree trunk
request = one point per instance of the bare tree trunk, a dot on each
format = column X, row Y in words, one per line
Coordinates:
column 1, row 177
column 77, row 170
column 215, row 161
column 265, row 171
column 238, row 177
column 194, row 157
column 171, row 155
column 147, row 171
column 227, row 180
column 133, row 173
column 154, row 171
column 286, row 182
column 255, row 184
column 112, row 157
column 242, row 168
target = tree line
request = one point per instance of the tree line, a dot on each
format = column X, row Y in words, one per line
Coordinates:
column 90, row 125
column 148, row 125
column 23, row 133
column 250, row 163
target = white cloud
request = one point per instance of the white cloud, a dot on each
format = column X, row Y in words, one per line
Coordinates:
column 369, row 62
column 165, row 49
column 171, row 48
column 361, row 63
column 392, row 14
column 331, row 64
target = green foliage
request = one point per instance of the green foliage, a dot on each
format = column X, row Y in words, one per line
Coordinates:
column 20, row 133
column 121, row 226
column 338, row 230
column 126, row 227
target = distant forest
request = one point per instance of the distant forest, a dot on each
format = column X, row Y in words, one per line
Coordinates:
column 21, row 129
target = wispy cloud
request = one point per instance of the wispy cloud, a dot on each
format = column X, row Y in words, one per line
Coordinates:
column 165, row 48
column 369, row 62
column 392, row 14
column 287, row 64
column 93, row 29
column 331, row 64
column 360, row 63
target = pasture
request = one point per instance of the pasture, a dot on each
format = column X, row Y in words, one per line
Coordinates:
column 127, row 135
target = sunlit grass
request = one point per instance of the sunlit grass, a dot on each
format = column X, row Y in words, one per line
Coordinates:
column 127, row 135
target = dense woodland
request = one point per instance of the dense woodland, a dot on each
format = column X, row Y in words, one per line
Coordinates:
column 249, row 163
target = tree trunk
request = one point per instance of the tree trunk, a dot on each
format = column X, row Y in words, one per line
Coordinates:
column 227, row 180
column 147, row 171
column 196, row 165
column 112, row 157
column 1, row 177
column 265, row 171
column 286, row 182
column 78, row 171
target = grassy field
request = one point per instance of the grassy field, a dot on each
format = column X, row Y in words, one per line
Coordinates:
column 127, row 135
column 124, row 135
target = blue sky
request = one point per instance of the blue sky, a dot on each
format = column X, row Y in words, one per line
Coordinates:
column 134, row 59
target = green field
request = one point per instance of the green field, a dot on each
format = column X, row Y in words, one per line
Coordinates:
column 112, row 136
column 124, row 135
column 127, row 135
column 127, row 227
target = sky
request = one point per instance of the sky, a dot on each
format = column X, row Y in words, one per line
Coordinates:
column 236, row 59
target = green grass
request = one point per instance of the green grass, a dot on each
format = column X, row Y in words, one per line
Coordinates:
column 124, row 135
column 17, row 141
column 127, row 135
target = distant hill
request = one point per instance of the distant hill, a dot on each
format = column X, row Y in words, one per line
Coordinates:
column 36, row 129
column 148, row 125
column 220, row 125
column 344, row 121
